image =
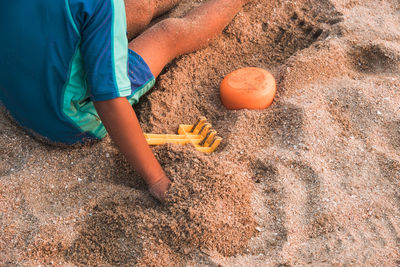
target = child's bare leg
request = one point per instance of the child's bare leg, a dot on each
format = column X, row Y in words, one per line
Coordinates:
column 176, row 36
column 162, row 6
column 139, row 13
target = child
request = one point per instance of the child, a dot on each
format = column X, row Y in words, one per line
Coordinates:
column 71, row 77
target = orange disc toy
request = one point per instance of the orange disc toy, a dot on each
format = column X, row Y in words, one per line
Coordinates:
column 248, row 88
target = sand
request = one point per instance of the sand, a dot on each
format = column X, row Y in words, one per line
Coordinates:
column 313, row 180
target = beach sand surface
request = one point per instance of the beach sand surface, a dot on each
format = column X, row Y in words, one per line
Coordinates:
column 313, row 180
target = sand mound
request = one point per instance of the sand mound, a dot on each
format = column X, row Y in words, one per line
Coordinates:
column 207, row 208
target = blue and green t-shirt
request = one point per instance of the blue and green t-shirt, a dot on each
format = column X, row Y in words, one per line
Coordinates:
column 56, row 58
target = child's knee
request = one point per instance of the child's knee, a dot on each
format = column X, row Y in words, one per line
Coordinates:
column 175, row 29
column 172, row 26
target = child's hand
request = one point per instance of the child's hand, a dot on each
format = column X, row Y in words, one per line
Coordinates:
column 123, row 126
column 160, row 188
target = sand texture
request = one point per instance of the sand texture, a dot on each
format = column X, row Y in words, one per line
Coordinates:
column 313, row 180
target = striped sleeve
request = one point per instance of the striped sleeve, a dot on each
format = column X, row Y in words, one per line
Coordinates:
column 104, row 47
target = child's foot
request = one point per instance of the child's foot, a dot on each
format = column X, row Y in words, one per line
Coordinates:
column 160, row 188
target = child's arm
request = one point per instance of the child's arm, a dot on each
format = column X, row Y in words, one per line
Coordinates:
column 123, row 127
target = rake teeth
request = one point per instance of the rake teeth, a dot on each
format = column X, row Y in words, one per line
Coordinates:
column 209, row 138
column 196, row 128
column 204, row 131
column 215, row 144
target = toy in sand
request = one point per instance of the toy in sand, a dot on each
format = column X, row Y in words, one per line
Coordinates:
column 248, row 88
column 200, row 135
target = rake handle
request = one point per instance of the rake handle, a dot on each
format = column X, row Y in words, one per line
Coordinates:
column 160, row 139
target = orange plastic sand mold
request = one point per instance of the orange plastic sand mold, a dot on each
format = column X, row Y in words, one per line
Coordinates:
column 201, row 136
column 248, row 88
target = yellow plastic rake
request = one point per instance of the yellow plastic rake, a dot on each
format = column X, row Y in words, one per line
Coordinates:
column 200, row 135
